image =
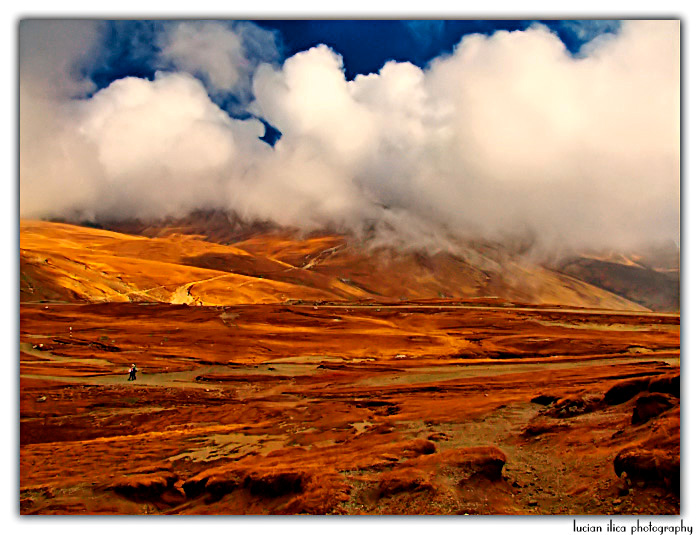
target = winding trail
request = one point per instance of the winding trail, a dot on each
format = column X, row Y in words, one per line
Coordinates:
column 323, row 255
column 182, row 295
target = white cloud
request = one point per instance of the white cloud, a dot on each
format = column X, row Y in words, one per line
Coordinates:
column 224, row 55
column 509, row 133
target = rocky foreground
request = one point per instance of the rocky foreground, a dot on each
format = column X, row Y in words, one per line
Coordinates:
column 272, row 409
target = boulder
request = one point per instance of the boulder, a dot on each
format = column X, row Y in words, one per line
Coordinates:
column 667, row 384
column 420, row 446
column 626, row 390
column 276, row 483
column 573, row 406
column 482, row 461
column 544, row 399
column 403, row 480
column 650, row 466
column 194, row 486
column 436, row 437
column 650, row 405
column 219, row 485
column 217, row 482
column 148, row 486
column 539, row 427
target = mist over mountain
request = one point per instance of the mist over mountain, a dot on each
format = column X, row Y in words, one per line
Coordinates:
column 508, row 135
column 379, row 265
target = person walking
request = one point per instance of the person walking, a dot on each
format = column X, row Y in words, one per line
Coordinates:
column 132, row 373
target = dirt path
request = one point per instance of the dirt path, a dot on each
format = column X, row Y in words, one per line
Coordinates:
column 323, row 255
column 537, row 474
column 183, row 294
column 28, row 348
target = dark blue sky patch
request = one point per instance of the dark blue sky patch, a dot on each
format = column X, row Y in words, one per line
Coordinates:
column 131, row 48
column 271, row 135
column 366, row 45
column 576, row 33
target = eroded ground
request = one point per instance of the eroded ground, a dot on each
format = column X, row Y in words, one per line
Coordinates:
column 347, row 410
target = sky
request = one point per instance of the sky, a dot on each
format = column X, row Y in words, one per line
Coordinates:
column 365, row 45
column 424, row 131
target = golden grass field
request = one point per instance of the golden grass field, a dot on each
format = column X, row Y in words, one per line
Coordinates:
column 285, row 375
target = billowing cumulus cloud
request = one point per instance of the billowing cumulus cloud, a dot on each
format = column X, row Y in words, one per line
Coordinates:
column 508, row 134
column 224, row 55
column 163, row 147
column 56, row 166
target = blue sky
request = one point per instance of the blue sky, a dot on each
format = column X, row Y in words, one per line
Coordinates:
column 131, row 48
column 366, row 45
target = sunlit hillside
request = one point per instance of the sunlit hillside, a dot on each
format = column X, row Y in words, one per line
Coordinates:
column 62, row 262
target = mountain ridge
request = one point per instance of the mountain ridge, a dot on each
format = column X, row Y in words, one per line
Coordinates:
column 190, row 262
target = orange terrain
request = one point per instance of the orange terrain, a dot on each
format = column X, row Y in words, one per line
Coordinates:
column 340, row 398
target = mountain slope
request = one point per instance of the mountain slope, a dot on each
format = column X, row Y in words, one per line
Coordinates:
column 655, row 289
column 72, row 263
column 63, row 262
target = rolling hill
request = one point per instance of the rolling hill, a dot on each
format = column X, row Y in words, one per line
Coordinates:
column 217, row 261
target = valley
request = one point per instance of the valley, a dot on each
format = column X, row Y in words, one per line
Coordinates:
column 293, row 392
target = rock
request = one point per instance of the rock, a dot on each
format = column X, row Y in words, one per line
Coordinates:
column 220, row 481
column 143, row 486
column 573, row 406
column 41, row 399
column 195, row 485
column 649, row 466
column 274, row 484
column 538, row 427
column 667, row 384
column 383, row 428
column 435, row 437
column 404, row 480
column 625, row 390
column 648, row 406
column 544, row 399
column 420, row 447
column 485, row 461
column 638, row 349
column 219, row 485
